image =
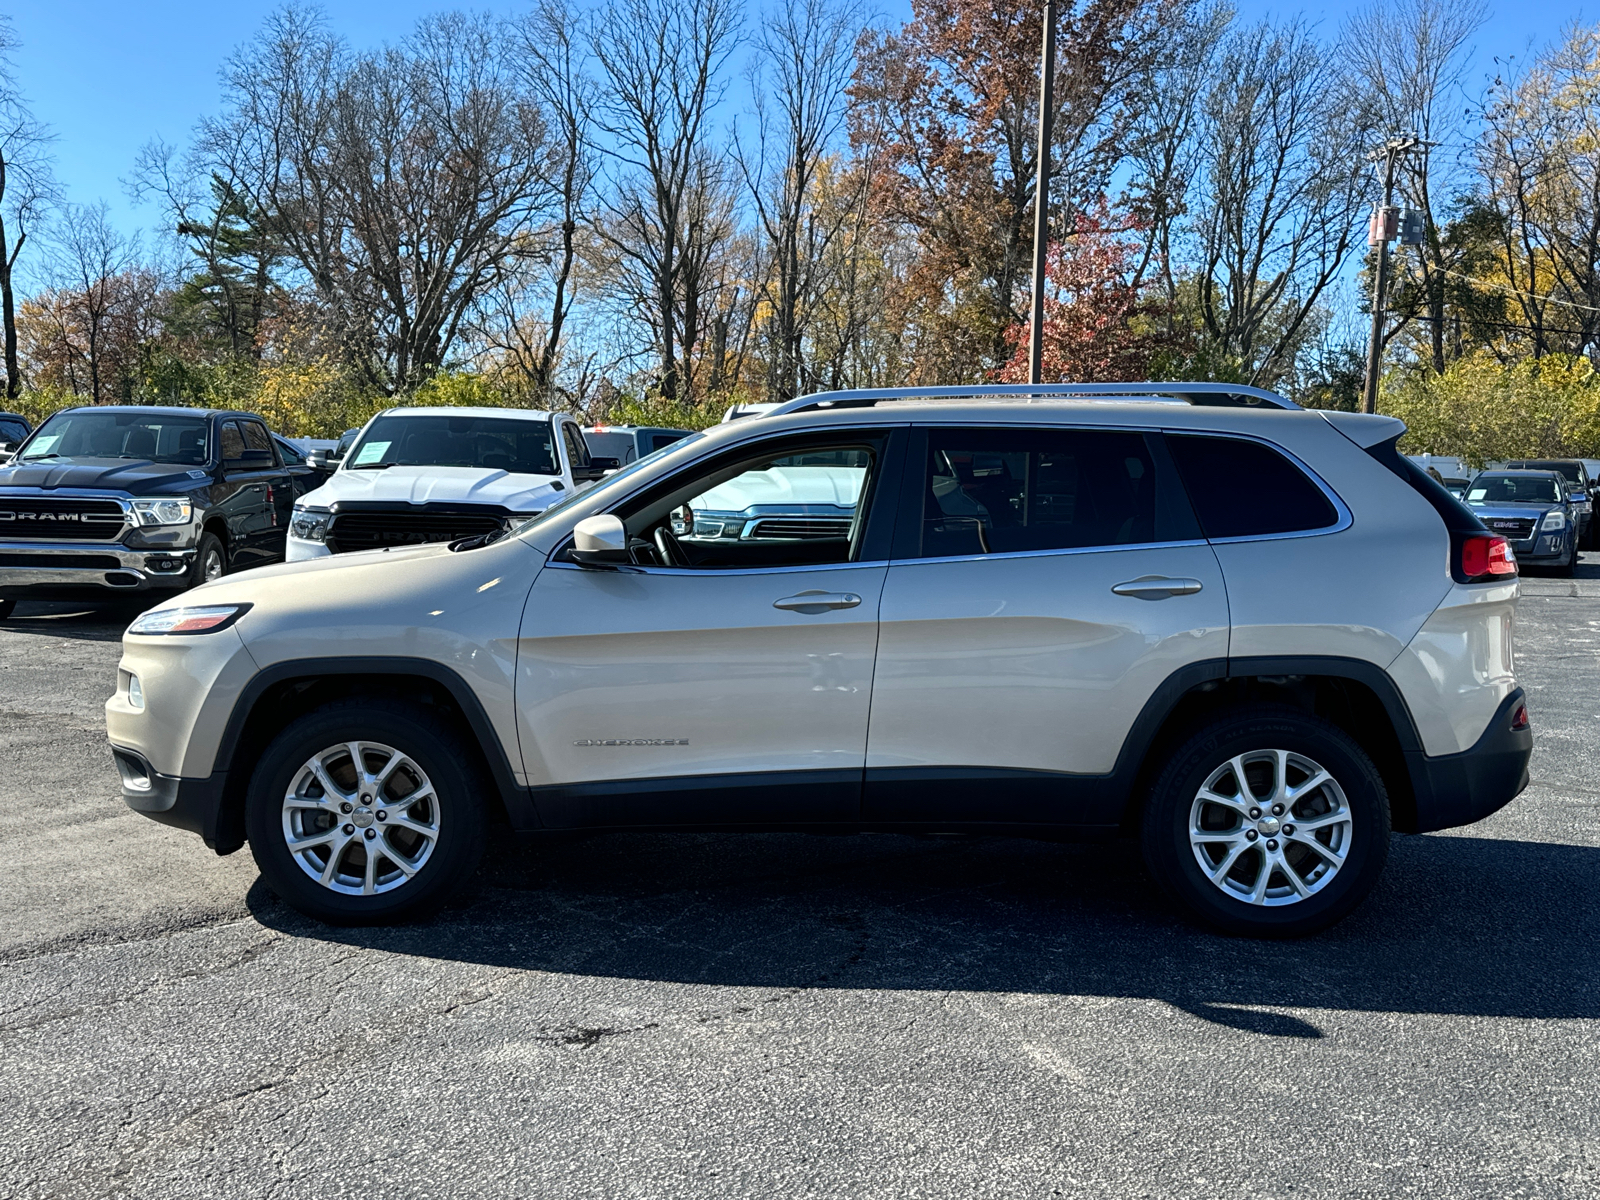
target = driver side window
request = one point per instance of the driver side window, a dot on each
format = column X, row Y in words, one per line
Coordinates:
column 794, row 505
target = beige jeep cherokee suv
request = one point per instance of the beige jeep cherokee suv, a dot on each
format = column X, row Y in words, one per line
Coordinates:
column 1253, row 636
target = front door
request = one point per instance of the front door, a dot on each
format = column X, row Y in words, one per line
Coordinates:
column 725, row 678
column 1055, row 579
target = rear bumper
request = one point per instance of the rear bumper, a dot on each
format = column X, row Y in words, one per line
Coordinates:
column 69, row 570
column 1458, row 789
column 193, row 805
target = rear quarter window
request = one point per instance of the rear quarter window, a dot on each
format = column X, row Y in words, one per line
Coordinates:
column 1242, row 488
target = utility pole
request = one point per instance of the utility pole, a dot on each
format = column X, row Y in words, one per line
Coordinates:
column 1041, row 194
column 1385, row 225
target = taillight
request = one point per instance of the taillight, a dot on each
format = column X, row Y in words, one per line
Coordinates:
column 1519, row 719
column 1484, row 557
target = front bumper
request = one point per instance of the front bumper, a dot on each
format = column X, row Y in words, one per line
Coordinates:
column 1551, row 546
column 303, row 550
column 1458, row 789
column 41, row 570
column 193, row 805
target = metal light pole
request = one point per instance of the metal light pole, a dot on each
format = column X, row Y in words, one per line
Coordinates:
column 1041, row 193
column 1385, row 224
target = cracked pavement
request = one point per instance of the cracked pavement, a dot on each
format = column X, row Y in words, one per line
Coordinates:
column 724, row 1015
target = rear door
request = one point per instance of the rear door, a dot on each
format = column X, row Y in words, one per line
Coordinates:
column 1045, row 582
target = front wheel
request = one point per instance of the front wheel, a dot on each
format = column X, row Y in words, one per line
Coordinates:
column 1268, row 822
column 365, row 811
column 210, row 560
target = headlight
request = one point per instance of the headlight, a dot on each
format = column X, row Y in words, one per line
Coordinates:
column 163, row 511
column 198, row 619
column 309, row 524
column 1553, row 520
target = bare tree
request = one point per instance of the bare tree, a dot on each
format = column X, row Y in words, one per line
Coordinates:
column 1280, row 197
column 663, row 63
column 1406, row 61
column 26, row 193
column 551, row 64
column 401, row 183
column 88, row 257
column 805, row 56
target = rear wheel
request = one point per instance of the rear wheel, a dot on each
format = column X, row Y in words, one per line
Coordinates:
column 365, row 811
column 1268, row 822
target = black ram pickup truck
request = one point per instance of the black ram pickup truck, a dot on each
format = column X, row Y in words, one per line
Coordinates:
column 107, row 500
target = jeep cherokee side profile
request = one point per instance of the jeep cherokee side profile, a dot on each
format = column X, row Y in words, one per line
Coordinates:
column 1253, row 636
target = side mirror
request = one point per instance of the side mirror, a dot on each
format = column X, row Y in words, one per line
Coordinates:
column 600, row 541
column 596, row 470
column 318, row 459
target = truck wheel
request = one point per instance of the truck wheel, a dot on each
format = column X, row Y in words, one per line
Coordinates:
column 210, row 560
column 1268, row 822
column 365, row 811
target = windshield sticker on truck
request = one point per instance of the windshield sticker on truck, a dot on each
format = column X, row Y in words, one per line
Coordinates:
column 371, row 452
column 43, row 445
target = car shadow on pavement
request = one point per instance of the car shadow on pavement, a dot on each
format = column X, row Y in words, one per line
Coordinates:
column 1459, row 925
column 78, row 622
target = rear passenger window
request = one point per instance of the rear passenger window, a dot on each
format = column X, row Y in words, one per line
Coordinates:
column 1000, row 491
column 1244, row 489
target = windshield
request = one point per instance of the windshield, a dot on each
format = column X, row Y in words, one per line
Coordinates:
column 520, row 446
column 1513, row 489
column 602, row 492
column 153, row 437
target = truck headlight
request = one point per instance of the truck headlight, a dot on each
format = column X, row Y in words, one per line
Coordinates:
column 1554, row 520
column 309, row 524
column 163, row 510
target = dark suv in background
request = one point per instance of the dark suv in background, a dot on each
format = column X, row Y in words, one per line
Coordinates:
column 107, row 500
column 1580, row 489
column 13, row 429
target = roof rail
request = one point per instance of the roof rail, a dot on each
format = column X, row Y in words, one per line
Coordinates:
column 1229, row 395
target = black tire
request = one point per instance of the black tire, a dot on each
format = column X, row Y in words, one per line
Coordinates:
column 455, row 810
column 7, row 607
column 1174, row 799
column 210, row 547
column 1570, row 568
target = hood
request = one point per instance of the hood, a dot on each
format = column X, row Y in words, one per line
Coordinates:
column 785, row 486
column 1489, row 513
column 434, row 485
column 137, row 477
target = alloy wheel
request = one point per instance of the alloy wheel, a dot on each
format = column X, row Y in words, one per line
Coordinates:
column 212, row 567
column 361, row 818
column 1270, row 827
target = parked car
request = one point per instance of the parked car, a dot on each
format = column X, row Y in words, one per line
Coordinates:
column 14, row 428
column 329, row 458
column 1580, row 487
column 107, row 500
column 418, row 475
column 1071, row 619
column 629, row 443
column 294, row 453
column 1533, row 511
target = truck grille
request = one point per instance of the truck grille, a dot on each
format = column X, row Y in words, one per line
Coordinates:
column 375, row 530
column 91, row 561
column 809, row 528
column 57, row 519
column 1515, row 528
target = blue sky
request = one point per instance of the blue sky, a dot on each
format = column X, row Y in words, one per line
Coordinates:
column 111, row 76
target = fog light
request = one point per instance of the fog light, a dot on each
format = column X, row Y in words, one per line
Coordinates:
column 135, row 692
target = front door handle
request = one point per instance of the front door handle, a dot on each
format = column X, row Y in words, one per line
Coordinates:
column 812, row 603
column 1157, row 587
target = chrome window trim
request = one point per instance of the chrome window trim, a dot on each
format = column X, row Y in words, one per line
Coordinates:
column 1121, row 546
column 715, row 572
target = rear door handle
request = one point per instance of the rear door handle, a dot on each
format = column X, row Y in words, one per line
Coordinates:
column 812, row 603
column 1157, row 587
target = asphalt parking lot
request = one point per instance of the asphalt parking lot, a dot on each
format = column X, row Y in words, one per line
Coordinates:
column 714, row 1015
